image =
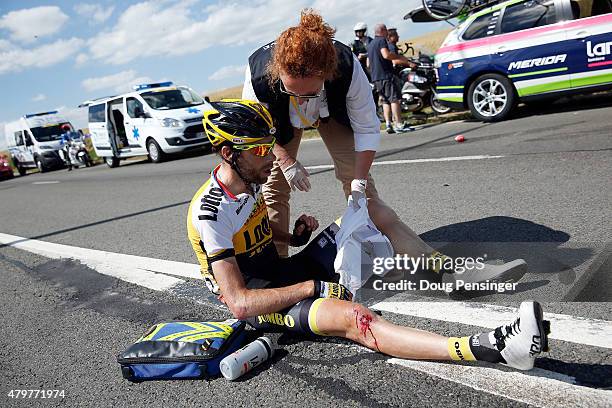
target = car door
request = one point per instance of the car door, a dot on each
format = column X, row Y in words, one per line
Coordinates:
column 22, row 152
column 530, row 47
column 464, row 55
column 99, row 129
column 590, row 44
column 134, row 121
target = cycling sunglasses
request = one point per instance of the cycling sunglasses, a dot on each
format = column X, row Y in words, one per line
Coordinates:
column 258, row 149
column 308, row 96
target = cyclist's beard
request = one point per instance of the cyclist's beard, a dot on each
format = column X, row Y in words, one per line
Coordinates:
column 252, row 174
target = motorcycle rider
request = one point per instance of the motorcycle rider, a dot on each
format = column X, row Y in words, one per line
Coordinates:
column 67, row 145
column 359, row 45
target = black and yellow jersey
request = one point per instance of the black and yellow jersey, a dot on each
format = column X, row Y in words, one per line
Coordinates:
column 222, row 225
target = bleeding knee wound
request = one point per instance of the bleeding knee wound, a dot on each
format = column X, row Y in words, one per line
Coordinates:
column 363, row 319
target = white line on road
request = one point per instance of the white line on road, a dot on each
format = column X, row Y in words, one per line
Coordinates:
column 148, row 272
column 538, row 387
column 533, row 387
column 152, row 273
column 46, row 182
column 580, row 330
column 411, row 161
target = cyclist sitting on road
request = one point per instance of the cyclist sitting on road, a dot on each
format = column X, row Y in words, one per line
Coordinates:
column 229, row 230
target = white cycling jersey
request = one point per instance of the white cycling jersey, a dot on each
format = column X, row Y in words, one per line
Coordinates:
column 221, row 225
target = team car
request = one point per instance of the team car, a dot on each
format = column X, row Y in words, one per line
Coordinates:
column 525, row 50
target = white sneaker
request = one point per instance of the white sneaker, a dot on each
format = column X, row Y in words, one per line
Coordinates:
column 522, row 341
column 508, row 272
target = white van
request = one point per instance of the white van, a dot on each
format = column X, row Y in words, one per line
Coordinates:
column 156, row 119
column 34, row 141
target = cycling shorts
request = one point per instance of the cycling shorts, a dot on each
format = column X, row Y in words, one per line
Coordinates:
column 314, row 262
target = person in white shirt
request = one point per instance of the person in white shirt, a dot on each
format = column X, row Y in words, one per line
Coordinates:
column 307, row 79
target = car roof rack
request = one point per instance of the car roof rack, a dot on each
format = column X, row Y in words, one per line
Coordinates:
column 31, row 115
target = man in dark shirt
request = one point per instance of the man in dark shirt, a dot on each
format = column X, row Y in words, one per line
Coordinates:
column 392, row 40
column 359, row 45
column 381, row 68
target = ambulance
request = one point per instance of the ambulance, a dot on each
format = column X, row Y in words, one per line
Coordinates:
column 155, row 119
column 34, row 141
column 525, row 50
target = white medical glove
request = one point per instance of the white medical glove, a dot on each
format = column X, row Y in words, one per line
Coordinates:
column 297, row 176
column 358, row 191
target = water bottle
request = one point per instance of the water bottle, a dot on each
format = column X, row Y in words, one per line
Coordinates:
column 247, row 358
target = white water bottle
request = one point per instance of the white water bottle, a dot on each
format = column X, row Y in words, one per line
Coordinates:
column 247, row 358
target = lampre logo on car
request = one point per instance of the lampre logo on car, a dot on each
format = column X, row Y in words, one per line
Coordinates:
column 598, row 52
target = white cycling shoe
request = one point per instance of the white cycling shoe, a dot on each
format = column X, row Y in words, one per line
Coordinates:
column 507, row 272
column 522, row 341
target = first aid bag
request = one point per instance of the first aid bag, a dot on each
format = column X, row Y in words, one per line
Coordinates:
column 181, row 350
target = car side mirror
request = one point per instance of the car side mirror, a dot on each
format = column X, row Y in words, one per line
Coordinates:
column 29, row 142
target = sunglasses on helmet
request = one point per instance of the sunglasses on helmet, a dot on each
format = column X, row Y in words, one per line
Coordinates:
column 258, row 149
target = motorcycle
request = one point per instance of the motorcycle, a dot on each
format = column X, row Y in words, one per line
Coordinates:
column 79, row 155
column 419, row 87
column 74, row 154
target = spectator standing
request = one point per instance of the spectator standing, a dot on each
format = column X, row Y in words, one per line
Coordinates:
column 380, row 60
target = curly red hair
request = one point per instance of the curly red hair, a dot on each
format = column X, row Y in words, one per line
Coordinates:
column 305, row 50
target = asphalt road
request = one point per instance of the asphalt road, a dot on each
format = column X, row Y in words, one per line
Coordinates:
column 542, row 193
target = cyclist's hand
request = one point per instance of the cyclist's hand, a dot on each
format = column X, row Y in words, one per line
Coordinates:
column 302, row 231
column 358, row 191
column 296, row 175
column 331, row 290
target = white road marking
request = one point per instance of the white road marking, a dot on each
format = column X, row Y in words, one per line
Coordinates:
column 579, row 330
column 153, row 274
column 46, row 182
column 538, row 387
column 411, row 161
column 148, row 272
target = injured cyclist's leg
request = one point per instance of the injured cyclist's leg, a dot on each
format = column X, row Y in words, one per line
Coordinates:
column 516, row 344
column 407, row 242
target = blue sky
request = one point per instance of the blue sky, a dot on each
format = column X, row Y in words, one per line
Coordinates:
column 54, row 55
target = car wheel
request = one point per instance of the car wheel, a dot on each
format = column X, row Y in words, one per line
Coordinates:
column 39, row 164
column 111, row 161
column 491, row 98
column 436, row 104
column 22, row 171
column 156, row 154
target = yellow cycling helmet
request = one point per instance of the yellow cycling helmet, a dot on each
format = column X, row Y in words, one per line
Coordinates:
column 237, row 121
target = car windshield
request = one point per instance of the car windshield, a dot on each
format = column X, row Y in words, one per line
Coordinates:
column 48, row 133
column 175, row 98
